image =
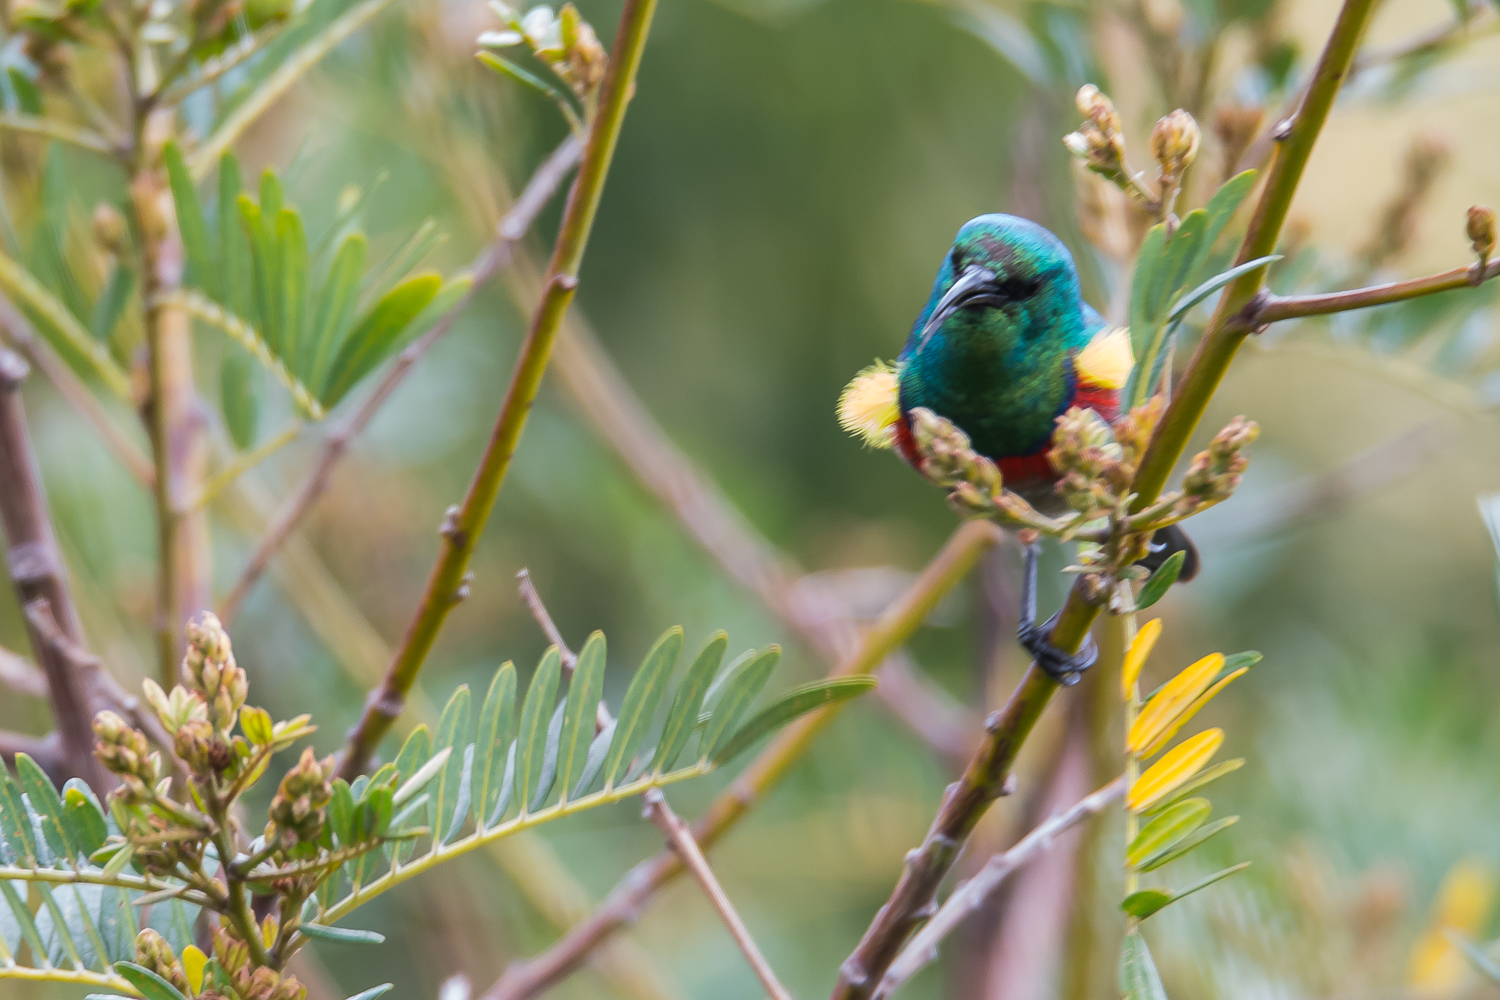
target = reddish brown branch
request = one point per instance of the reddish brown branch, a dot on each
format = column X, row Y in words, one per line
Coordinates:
column 1267, row 308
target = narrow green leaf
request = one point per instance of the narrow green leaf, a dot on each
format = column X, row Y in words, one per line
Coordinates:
column 536, row 712
column 1191, row 843
column 641, row 699
column 414, row 753
column 191, row 225
column 265, row 270
column 584, row 691
column 61, row 328
column 239, row 395
column 683, row 715
column 464, row 798
column 453, row 727
column 341, row 813
column 1145, row 902
column 1208, row 880
column 1221, row 208
column 497, row 730
column 1166, row 574
column 1235, row 661
column 424, row 775
column 507, row 68
column 792, row 705
column 1179, row 255
column 83, row 817
column 1167, row 830
column 234, row 248
column 15, row 824
column 548, row 775
column 1217, row 282
column 372, row 992
column 340, row 935
column 48, row 805
column 376, row 333
column 22, row 915
column 1142, row 330
column 1139, row 979
column 336, row 305
column 1482, row 961
column 1197, row 782
column 110, row 304
column 28, row 95
column 507, row 786
column 594, row 763
column 291, row 244
column 739, row 691
column 152, row 986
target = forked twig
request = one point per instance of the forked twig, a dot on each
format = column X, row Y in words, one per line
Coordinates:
column 680, row 839
column 533, row 600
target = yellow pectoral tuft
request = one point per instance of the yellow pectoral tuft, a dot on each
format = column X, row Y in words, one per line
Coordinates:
column 1106, row 362
column 868, row 405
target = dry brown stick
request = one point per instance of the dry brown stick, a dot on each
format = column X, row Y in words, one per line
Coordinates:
column 45, row 750
column 680, row 839
column 71, row 388
column 491, row 260
column 620, row 907
column 538, row 609
column 38, row 574
column 21, row 675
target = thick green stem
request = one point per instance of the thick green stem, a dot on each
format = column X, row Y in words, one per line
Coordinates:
column 462, row 528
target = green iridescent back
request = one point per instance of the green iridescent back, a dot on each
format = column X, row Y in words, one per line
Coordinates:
column 1002, row 373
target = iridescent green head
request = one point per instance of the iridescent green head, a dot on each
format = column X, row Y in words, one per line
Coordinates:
column 991, row 350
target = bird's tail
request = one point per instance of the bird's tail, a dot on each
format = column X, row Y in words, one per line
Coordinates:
column 1164, row 544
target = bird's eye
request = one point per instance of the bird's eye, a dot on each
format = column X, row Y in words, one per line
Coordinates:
column 957, row 260
column 1019, row 288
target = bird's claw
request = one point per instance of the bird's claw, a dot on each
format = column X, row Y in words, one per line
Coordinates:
column 1065, row 668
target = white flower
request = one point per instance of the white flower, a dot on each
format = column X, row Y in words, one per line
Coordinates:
column 499, row 39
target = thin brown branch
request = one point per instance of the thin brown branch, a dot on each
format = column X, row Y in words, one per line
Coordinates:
column 1267, row 308
column 23, row 336
column 21, row 675
column 538, row 609
column 495, row 257
column 968, row 897
column 680, row 839
column 39, row 577
column 45, row 750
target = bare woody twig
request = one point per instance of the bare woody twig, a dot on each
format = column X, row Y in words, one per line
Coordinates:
column 20, row 675
column 890, row 632
column 462, row 528
column 969, row 798
column 968, row 897
column 38, row 574
column 533, row 600
column 1266, row 308
column 680, row 839
column 45, row 750
column 491, row 260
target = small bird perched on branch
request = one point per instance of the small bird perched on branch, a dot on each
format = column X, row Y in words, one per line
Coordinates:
column 1004, row 347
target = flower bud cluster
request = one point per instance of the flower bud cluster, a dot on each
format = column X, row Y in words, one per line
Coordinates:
column 249, row 982
column 1087, row 459
column 973, row 481
column 1174, row 145
column 124, row 753
column 297, row 810
column 1481, row 232
column 1216, row 471
column 209, row 670
column 564, row 41
column 153, row 952
column 1099, row 141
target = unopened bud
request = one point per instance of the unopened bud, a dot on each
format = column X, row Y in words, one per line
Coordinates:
column 1215, row 472
column 296, row 812
column 1099, row 141
column 124, row 752
column 1174, row 143
column 152, row 952
column 208, row 668
column 1481, row 230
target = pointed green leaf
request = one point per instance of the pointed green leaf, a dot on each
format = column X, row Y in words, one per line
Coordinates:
column 414, row 753
column 341, row 814
column 1482, row 961
column 793, row 705
column 1142, row 904
column 83, row 817
column 234, row 249
column 15, row 824
column 1166, row 574
column 61, row 328
column 641, row 699
column 239, row 395
column 111, row 302
column 497, row 731
column 1197, row 782
column 594, row 762
column 336, row 305
column 1189, row 844
column 453, row 727
column 465, row 796
column 376, row 333
column 152, row 986
column 1217, row 282
column 21, row 914
column 1221, row 208
column 1167, row 830
column 191, row 225
column 48, row 805
column 1179, row 254
column 739, row 691
column 28, row 95
column 57, row 931
column 536, row 712
column 291, row 244
column 548, row 776
column 507, row 785
column 265, row 269
column 372, row 992
column 1139, row 979
column 340, row 935
column 507, row 68
column 1235, row 661
column 584, row 691
column 1142, row 330
column 683, row 715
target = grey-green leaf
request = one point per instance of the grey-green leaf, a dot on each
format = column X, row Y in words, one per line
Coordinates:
column 1188, row 844
column 291, row 243
column 1139, row 979
column 111, row 302
column 453, row 727
column 584, row 691
column 548, row 775
column 682, row 717
column 336, row 304
column 594, row 763
column 536, row 712
column 48, row 805
column 497, row 728
column 152, row 986
column 507, row 785
column 1156, row 588
column 739, row 691
column 792, row 705
column 641, row 699
column 83, row 817
column 376, row 333
column 341, row 935
column 15, row 824
column 373, row 992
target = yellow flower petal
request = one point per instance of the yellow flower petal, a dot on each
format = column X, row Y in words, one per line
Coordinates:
column 868, row 405
column 1170, row 702
column 1180, row 764
column 1135, row 656
column 193, row 963
column 1192, row 710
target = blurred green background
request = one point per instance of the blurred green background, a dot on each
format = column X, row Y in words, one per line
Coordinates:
column 790, row 174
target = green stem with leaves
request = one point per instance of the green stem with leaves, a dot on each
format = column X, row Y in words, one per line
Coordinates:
column 462, row 528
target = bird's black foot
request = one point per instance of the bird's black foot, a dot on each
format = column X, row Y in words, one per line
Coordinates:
column 1062, row 667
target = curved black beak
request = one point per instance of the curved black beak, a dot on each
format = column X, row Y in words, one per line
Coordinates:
column 976, row 286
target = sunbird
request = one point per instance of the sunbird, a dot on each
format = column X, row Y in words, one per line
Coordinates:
column 1004, row 346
